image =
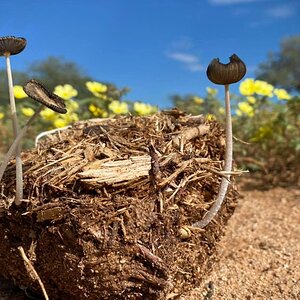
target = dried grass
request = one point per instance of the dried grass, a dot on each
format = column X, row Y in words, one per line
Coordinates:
column 106, row 202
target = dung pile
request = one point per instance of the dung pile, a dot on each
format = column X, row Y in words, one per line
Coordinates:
column 107, row 201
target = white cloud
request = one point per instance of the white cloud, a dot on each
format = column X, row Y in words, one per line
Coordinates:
column 183, row 57
column 281, row 11
column 229, row 2
column 190, row 61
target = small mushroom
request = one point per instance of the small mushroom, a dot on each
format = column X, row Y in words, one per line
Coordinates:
column 10, row 45
column 35, row 90
column 224, row 74
column 229, row 73
column 38, row 92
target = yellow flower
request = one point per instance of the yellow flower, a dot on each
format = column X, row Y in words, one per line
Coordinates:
column 251, row 99
column 118, row 108
column 70, row 117
column 263, row 88
column 48, row 114
column 97, row 111
column 263, row 132
column 245, row 109
column 104, row 114
column 72, row 105
column 210, row 117
column 96, row 88
column 27, row 111
column 92, row 108
column 222, row 111
column 247, row 87
column 19, row 92
column 282, row 94
column 65, row 91
column 211, row 91
column 198, row 100
column 143, row 109
column 2, row 115
column 60, row 122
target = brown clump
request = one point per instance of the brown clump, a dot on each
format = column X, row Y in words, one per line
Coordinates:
column 108, row 201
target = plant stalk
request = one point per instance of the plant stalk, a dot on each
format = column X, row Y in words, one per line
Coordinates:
column 19, row 171
column 16, row 142
column 227, row 168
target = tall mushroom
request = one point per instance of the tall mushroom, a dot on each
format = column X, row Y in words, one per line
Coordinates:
column 224, row 74
column 10, row 45
column 38, row 92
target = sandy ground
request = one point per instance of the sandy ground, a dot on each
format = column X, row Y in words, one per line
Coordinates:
column 259, row 256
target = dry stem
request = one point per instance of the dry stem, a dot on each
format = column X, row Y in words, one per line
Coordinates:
column 228, row 166
column 32, row 272
column 19, row 171
column 16, row 142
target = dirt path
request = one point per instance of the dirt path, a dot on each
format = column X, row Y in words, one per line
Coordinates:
column 259, row 256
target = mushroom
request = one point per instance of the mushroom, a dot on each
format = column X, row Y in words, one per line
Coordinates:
column 10, row 45
column 38, row 92
column 224, row 74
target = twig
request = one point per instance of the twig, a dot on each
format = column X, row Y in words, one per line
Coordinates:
column 241, row 141
column 32, row 272
column 183, row 166
column 49, row 132
column 190, row 134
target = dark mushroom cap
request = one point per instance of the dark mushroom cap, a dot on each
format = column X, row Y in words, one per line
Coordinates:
column 11, row 45
column 229, row 73
column 35, row 90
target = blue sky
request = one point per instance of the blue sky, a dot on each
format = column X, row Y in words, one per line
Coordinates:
column 155, row 47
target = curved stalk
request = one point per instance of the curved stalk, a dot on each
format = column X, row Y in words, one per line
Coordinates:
column 46, row 133
column 19, row 171
column 227, row 168
column 16, row 143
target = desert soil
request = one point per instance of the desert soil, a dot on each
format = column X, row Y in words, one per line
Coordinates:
column 259, row 256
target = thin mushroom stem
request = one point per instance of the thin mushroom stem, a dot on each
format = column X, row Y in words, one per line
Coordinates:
column 16, row 142
column 19, row 171
column 229, row 144
column 227, row 168
column 46, row 133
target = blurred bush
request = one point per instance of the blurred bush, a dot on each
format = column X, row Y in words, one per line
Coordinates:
column 104, row 101
column 266, row 120
column 266, row 126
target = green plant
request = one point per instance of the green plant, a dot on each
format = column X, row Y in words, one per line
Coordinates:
column 268, row 119
column 39, row 93
column 266, row 122
column 105, row 101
